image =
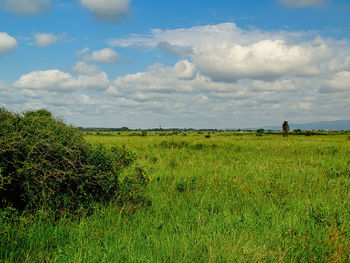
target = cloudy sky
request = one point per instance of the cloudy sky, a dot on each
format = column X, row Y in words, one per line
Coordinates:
column 177, row 63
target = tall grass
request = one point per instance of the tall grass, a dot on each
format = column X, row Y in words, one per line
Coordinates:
column 218, row 199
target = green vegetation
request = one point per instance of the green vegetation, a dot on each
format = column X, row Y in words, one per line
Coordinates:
column 47, row 165
column 233, row 197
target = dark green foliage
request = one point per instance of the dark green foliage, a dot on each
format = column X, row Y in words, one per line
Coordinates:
column 207, row 136
column 131, row 190
column 46, row 164
column 259, row 132
column 124, row 128
column 285, row 127
column 181, row 187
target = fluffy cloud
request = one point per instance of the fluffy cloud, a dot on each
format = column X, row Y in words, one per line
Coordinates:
column 263, row 59
column 176, row 96
column 48, row 79
column 45, row 39
column 339, row 82
column 58, row 81
column 203, row 35
column 107, row 10
column 106, row 55
column 224, row 52
column 226, row 77
column 8, row 44
column 158, row 78
column 82, row 68
column 302, row 3
column 26, row 6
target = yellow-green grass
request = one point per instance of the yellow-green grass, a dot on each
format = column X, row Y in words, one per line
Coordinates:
column 227, row 198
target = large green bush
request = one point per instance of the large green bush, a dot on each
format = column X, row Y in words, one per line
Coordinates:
column 45, row 163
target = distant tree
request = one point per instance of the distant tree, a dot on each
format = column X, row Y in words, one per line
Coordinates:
column 285, row 127
column 298, row 131
column 259, row 132
column 124, row 128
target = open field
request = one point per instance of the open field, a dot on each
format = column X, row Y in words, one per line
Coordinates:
column 227, row 198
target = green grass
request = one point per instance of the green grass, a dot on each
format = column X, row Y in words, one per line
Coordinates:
column 226, row 198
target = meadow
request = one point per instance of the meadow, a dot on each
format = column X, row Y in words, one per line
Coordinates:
column 227, row 197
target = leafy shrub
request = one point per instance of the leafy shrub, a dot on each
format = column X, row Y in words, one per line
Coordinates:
column 307, row 133
column 260, row 132
column 45, row 163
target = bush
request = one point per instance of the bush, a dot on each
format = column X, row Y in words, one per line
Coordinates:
column 260, row 132
column 47, row 164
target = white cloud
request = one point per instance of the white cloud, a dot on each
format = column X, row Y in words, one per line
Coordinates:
column 107, row 10
column 45, row 39
column 26, row 7
column 97, row 81
column 158, row 78
column 177, row 96
column 302, row 3
column 203, row 35
column 58, row 81
column 339, row 82
column 225, row 77
column 227, row 53
column 8, row 43
column 279, row 85
column 305, row 105
column 263, row 59
column 48, row 79
column 8, row 95
column 105, row 55
column 82, row 68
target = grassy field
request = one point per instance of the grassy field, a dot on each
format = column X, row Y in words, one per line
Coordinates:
column 227, row 198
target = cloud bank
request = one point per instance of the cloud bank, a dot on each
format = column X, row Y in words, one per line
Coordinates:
column 222, row 75
column 227, row 53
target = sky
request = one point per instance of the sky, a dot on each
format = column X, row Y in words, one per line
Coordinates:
column 177, row 63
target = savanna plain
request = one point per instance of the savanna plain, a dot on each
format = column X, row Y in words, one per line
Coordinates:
column 219, row 196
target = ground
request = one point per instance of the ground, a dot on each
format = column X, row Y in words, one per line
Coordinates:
column 232, row 197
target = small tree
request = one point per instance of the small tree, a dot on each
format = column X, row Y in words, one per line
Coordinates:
column 285, row 127
column 260, row 132
column 124, row 128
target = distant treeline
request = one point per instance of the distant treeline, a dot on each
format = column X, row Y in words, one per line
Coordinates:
column 93, row 129
column 296, row 131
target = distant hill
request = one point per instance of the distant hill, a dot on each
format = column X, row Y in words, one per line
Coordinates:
column 321, row 125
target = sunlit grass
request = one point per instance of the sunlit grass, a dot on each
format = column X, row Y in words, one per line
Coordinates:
column 220, row 199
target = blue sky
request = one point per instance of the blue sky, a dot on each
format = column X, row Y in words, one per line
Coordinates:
column 201, row 64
